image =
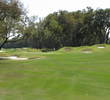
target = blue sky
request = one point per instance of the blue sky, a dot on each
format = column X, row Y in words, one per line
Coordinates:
column 42, row 8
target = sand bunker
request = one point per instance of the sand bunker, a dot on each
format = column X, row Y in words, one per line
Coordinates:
column 67, row 49
column 1, row 51
column 12, row 58
column 87, row 52
column 19, row 58
column 101, row 47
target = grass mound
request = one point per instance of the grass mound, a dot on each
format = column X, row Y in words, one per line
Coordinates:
column 88, row 49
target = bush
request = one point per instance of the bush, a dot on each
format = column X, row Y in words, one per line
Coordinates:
column 46, row 50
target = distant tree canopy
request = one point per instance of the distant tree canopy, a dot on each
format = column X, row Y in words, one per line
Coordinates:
column 10, row 15
column 79, row 28
column 63, row 28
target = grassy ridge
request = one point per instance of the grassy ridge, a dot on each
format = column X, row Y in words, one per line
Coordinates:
column 67, row 74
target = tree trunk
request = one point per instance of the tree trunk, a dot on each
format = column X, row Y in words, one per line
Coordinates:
column 107, row 36
column 3, row 43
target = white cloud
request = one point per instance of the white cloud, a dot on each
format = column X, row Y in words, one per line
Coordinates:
column 43, row 7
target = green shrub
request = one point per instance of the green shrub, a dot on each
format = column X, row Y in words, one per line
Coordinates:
column 46, row 50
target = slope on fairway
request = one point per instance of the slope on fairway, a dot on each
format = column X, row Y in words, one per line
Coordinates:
column 67, row 74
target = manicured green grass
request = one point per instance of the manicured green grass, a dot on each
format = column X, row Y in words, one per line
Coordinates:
column 66, row 74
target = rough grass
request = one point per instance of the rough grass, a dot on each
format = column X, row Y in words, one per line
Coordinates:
column 60, row 75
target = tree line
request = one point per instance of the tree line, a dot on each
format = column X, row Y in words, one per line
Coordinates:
column 58, row 29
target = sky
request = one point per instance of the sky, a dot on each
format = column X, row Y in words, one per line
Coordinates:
column 42, row 8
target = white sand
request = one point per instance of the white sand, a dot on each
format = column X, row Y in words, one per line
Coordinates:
column 1, row 51
column 101, row 47
column 13, row 58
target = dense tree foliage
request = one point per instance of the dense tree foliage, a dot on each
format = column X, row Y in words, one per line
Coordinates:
column 63, row 28
column 10, row 15
column 86, row 27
